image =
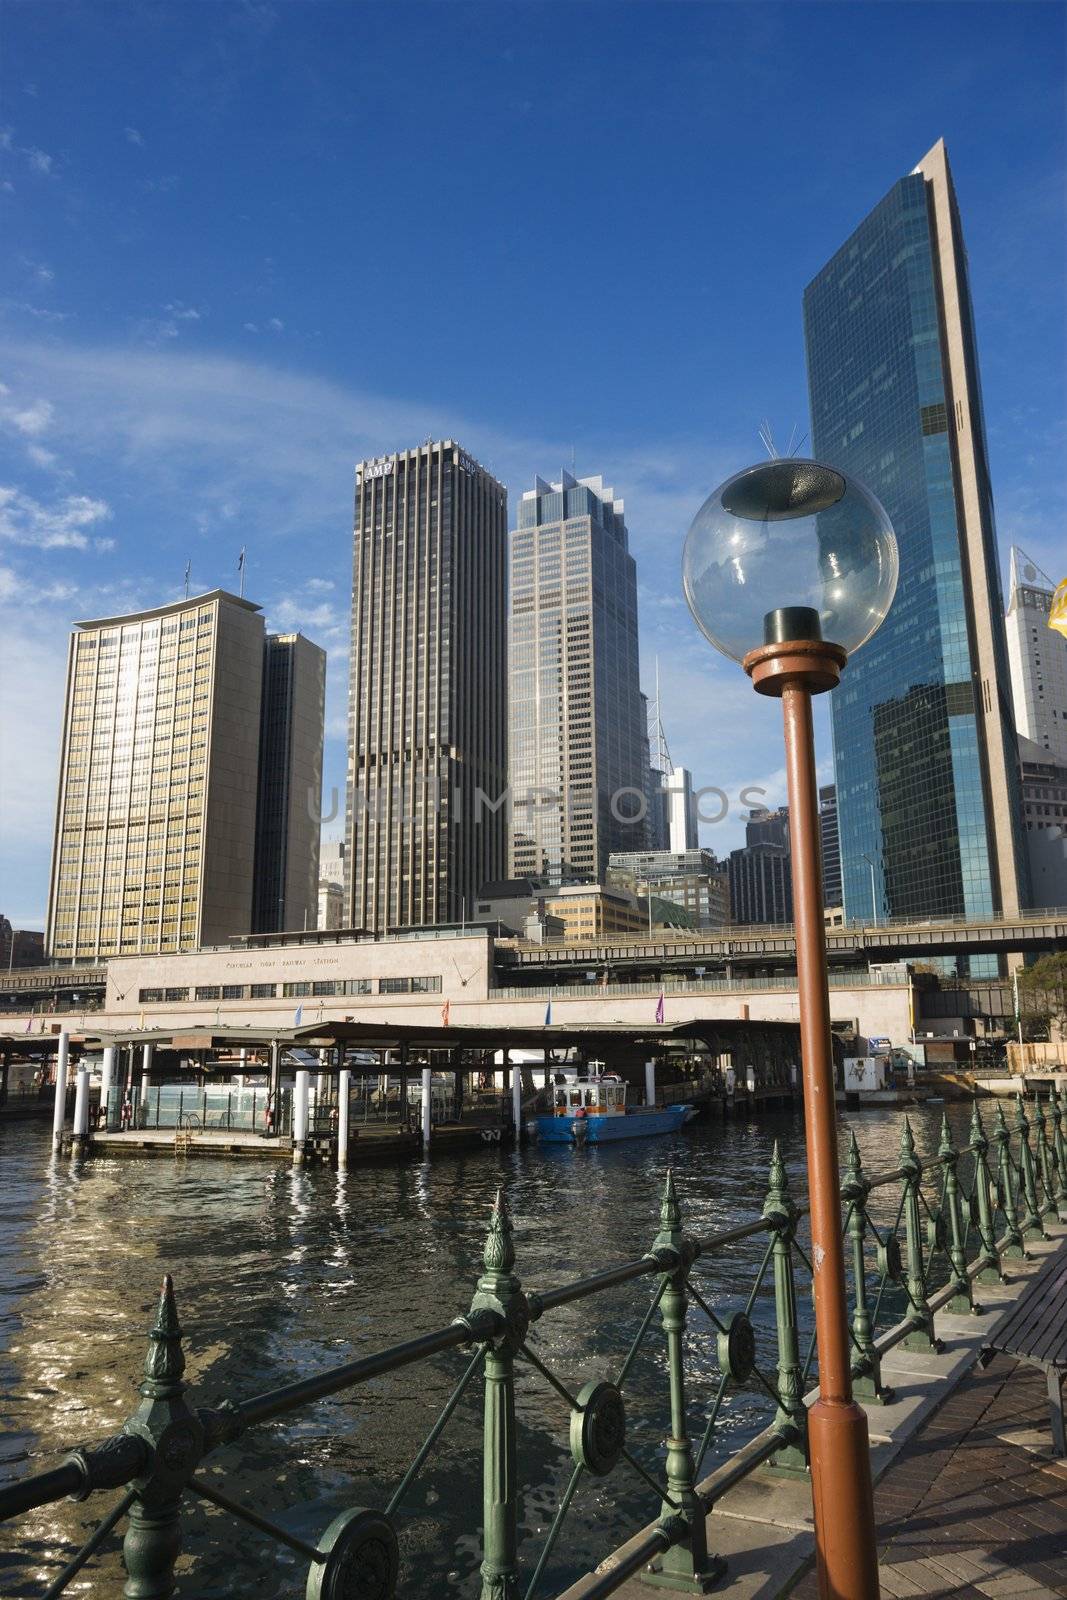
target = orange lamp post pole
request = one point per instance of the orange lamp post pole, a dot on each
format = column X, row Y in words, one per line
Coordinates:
column 845, row 1539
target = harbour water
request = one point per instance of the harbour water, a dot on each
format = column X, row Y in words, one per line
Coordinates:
column 280, row 1273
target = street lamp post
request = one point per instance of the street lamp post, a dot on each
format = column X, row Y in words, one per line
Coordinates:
column 789, row 567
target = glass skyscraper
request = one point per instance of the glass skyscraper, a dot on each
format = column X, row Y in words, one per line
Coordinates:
column 925, row 756
column 577, row 733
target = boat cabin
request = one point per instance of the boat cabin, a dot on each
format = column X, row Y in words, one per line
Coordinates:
column 596, row 1096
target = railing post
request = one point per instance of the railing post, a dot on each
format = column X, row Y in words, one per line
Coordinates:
column 921, row 1317
column 866, row 1363
column 1009, row 1204
column 1031, row 1224
column 1058, row 1104
column 963, row 1299
column 686, row 1566
column 500, row 1291
column 990, row 1270
column 175, row 1435
column 1047, row 1207
column 781, row 1216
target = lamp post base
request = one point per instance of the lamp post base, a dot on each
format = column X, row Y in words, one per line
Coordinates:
column 842, row 1494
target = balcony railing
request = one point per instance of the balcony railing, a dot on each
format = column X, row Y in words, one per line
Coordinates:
column 920, row 1239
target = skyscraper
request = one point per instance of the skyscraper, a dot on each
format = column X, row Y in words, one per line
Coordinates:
column 427, row 732
column 577, row 732
column 156, row 841
column 924, row 749
column 286, row 890
column 831, row 847
column 1038, row 657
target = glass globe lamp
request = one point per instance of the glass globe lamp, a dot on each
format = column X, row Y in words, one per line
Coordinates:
column 789, row 550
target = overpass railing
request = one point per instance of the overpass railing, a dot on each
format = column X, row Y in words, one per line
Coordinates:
column 921, row 1239
column 591, row 990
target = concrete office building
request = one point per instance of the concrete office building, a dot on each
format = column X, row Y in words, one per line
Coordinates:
column 1044, row 784
column 831, row 848
column 1037, row 655
column 577, row 730
column 691, row 880
column 761, row 889
column 331, row 883
column 292, row 718
column 925, row 760
column 155, row 835
column 427, row 731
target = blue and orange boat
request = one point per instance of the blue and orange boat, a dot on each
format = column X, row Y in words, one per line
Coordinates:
column 593, row 1110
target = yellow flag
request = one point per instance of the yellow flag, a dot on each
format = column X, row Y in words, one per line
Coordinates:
column 1057, row 616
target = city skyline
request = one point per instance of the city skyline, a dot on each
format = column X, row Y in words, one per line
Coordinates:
column 192, row 368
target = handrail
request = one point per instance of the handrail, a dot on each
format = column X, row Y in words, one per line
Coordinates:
column 962, row 1211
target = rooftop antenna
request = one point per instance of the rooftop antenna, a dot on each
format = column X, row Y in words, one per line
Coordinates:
column 767, row 439
column 188, row 570
column 657, row 734
column 241, row 571
column 797, row 441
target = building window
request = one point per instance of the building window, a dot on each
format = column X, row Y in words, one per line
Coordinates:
column 149, row 996
column 233, row 991
column 292, row 991
column 264, row 991
column 207, row 991
column 358, row 986
column 175, row 994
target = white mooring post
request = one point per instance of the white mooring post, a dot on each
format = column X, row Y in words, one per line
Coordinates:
column 300, row 1113
column 650, row 1083
column 81, row 1112
column 59, row 1115
column 146, row 1072
column 426, row 1119
column 344, row 1078
column 516, row 1100
column 107, row 1075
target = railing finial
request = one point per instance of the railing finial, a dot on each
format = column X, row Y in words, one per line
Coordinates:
column 499, row 1252
column 670, row 1213
column 165, row 1361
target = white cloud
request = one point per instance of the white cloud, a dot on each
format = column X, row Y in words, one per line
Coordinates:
column 31, row 420
column 6, row 186
column 40, row 456
column 182, row 312
column 60, row 526
column 133, row 136
column 39, row 161
column 276, row 325
column 320, row 585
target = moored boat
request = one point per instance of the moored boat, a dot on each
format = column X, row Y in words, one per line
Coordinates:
column 593, row 1110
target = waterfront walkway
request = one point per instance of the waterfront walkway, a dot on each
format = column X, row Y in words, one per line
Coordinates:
column 974, row 1505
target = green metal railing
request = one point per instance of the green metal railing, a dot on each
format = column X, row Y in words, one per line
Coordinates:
column 921, row 1238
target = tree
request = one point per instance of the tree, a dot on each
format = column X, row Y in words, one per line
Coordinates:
column 1045, row 986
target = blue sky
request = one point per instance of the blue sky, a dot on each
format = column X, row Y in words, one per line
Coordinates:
column 249, row 243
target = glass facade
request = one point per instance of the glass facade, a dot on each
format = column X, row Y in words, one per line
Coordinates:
column 577, row 736
column 917, row 710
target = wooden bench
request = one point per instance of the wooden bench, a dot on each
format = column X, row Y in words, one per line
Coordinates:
column 1035, row 1331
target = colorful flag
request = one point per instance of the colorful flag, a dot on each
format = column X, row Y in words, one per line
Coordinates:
column 548, row 1015
column 298, row 1016
column 659, row 1008
column 1057, row 616
column 445, row 1010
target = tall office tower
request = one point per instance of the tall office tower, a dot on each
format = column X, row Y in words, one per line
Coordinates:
column 831, row 846
column 156, row 817
column 761, row 888
column 656, row 824
column 426, row 720
column 577, row 731
column 924, row 744
column 286, row 892
column 681, row 811
column 1038, row 657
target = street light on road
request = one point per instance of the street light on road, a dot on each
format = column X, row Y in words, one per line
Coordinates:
column 789, row 567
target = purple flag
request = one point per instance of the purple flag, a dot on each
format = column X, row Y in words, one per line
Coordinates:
column 659, row 1007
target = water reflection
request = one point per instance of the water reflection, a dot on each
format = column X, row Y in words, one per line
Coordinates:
column 280, row 1272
